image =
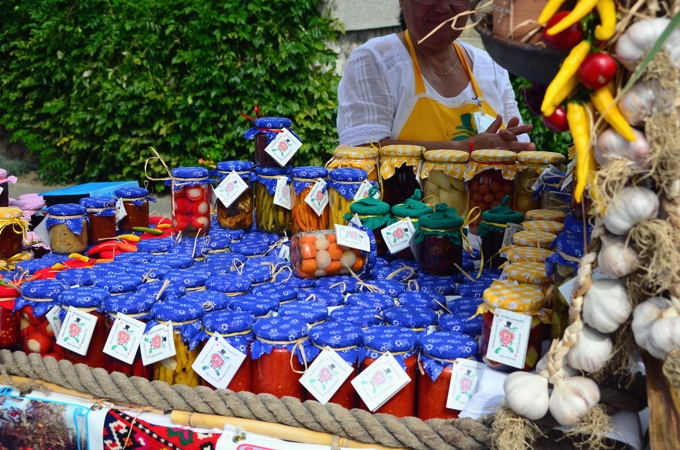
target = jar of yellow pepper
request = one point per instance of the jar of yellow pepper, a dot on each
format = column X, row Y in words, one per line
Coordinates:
column 269, row 216
column 343, row 188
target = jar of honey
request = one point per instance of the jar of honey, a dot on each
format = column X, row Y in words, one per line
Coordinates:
column 364, row 158
column 68, row 226
column 438, row 241
column 492, row 228
column 280, row 356
column 13, row 229
column 263, row 132
column 529, row 193
column 238, row 215
column 343, row 189
column 490, row 176
column 439, row 351
column 269, row 216
column 101, row 213
column 442, row 177
column 36, row 298
column 9, row 319
column 135, row 201
column 309, row 213
column 399, row 170
column 190, row 200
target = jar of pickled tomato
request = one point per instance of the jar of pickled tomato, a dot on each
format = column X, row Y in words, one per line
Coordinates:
column 364, row 158
column 238, row 215
column 399, row 169
column 190, row 200
column 269, row 216
column 438, row 241
column 13, row 228
column 67, row 224
column 101, row 213
column 309, row 213
column 135, row 202
column 442, row 177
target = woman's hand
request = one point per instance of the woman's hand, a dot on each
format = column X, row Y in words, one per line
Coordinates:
column 506, row 138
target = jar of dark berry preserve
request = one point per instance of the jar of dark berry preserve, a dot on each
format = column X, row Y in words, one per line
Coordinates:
column 438, row 241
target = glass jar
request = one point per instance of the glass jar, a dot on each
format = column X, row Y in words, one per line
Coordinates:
column 236, row 327
column 438, row 241
column 305, row 217
column 364, row 158
column 361, row 316
column 528, row 194
column 399, row 169
column 529, row 272
column 13, row 229
column 67, row 224
column 36, row 299
column 317, row 254
column 413, row 209
column 279, row 354
column 9, row 319
column 263, row 132
column 557, row 215
column 520, row 298
column 491, row 231
column 135, row 201
column 312, row 313
column 540, row 239
column 270, row 217
column 101, row 214
column 258, row 306
column 520, row 253
column 343, row 187
column 345, row 339
column 415, row 318
column 551, row 226
column 375, row 215
column 442, row 177
column 438, row 353
column 490, row 176
column 5, row 180
column 465, row 322
column 239, row 215
column 190, row 188
column 402, row 343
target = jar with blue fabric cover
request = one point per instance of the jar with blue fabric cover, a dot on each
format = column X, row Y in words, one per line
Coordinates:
column 117, row 282
column 373, row 214
column 238, row 215
column 399, row 171
column 270, row 217
column 438, row 353
column 186, row 321
column 363, row 316
column 439, row 242
column 263, row 132
column 364, row 158
column 423, row 299
column 304, row 217
column 412, row 208
column 343, row 186
column 13, row 228
column 402, row 344
column 416, row 318
column 331, row 298
column 236, row 327
column 135, row 201
column 377, row 301
column 258, row 306
column 101, row 213
column 230, row 284
column 345, row 339
column 190, row 200
column 465, row 322
column 192, row 279
column 67, row 224
column 492, row 228
column 280, row 356
column 36, row 298
column 312, row 313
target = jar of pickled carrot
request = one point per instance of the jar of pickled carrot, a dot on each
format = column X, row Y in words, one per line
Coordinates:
column 442, row 177
column 401, row 343
column 492, row 228
column 190, row 200
column 67, row 224
column 438, row 241
column 36, row 298
column 9, row 319
column 310, row 212
column 364, row 158
column 269, row 216
column 399, row 169
column 238, row 215
column 438, row 353
column 13, row 229
column 101, row 213
column 135, row 202
column 345, row 339
column 280, row 356
column 343, row 189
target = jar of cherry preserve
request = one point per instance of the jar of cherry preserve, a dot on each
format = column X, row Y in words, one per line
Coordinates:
column 490, row 176
column 37, row 298
column 68, row 226
column 238, row 215
column 364, row 158
column 269, row 216
column 309, row 213
column 135, row 202
column 492, row 228
column 438, row 241
column 344, row 339
column 9, row 319
column 101, row 213
column 280, row 356
column 439, row 351
column 263, row 132
column 190, row 200
column 13, row 229
column 399, row 169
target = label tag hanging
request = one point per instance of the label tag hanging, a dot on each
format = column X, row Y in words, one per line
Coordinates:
column 218, row 362
column 380, row 381
column 397, row 236
column 352, row 237
column 124, row 338
column 325, row 375
column 230, row 188
column 76, row 331
column 282, row 194
column 509, row 338
column 317, row 198
column 283, row 147
column 158, row 344
column 465, row 376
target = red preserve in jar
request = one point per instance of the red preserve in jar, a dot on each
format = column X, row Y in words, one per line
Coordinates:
column 438, row 353
column 190, row 200
column 37, row 298
column 438, row 241
column 135, row 201
column 401, row 343
column 13, row 229
column 9, row 320
column 279, row 353
column 101, row 212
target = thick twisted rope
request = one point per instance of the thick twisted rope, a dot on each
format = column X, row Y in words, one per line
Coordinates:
column 356, row 424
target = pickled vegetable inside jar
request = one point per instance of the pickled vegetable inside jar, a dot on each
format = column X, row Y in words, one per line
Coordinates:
column 317, row 254
column 438, row 240
column 530, row 167
column 67, row 224
column 364, row 158
column 442, row 177
column 36, row 298
column 492, row 231
column 190, row 200
column 490, row 176
column 270, row 217
column 13, row 228
column 310, row 212
column 399, row 171
column 101, row 212
column 238, row 215
column 263, row 132
column 343, row 188
column 135, row 201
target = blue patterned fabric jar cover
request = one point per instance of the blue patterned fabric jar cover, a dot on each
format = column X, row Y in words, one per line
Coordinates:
column 440, row 348
column 118, row 282
column 310, row 312
column 258, row 306
column 281, row 332
column 99, row 206
column 303, row 177
column 185, row 316
column 177, row 260
column 428, row 299
column 86, row 298
column 162, row 291
column 399, row 341
column 281, row 293
column 230, row 283
column 362, row 316
column 462, row 322
column 243, row 168
column 136, row 195
column 236, row 327
column 342, row 283
column 136, row 304
column 70, row 214
column 445, row 285
column 412, row 317
column 346, row 181
column 464, row 305
column 30, row 266
column 389, row 287
column 267, row 176
column 41, row 295
column 229, row 261
column 376, row 301
column 268, row 125
column 192, row 278
column 250, row 247
column 207, row 300
column 79, row 276
column 156, row 246
column 345, row 339
column 323, row 295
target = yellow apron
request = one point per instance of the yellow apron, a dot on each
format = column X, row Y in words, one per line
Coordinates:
column 433, row 121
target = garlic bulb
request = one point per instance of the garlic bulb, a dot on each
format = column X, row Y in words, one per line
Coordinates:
column 527, row 394
column 615, row 258
column 639, row 38
column 572, row 398
column 591, row 352
column 644, row 99
column 630, row 206
column 644, row 315
column 664, row 336
column 611, row 145
column 606, row 305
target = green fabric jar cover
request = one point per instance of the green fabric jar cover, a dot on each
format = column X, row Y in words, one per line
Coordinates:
column 412, row 207
column 372, row 212
column 496, row 218
column 444, row 221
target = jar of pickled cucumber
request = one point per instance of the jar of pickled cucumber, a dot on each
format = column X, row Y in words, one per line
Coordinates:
column 438, row 241
column 263, row 132
column 190, row 200
column 13, row 228
column 490, row 176
column 364, row 158
column 492, row 228
column 343, row 187
column 528, row 194
column 269, row 216
column 67, row 224
column 238, row 215
column 310, row 212
column 101, row 212
column 442, row 178
column 135, row 202
column 399, row 171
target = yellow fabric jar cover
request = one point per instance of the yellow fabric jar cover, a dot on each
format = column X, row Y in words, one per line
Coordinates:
column 516, row 253
column 395, row 156
column 552, row 226
column 545, row 214
column 365, row 158
column 481, row 160
column 531, row 272
column 11, row 216
column 451, row 162
column 541, row 239
column 537, row 160
column 512, row 296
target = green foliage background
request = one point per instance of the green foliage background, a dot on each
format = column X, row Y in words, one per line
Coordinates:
column 90, row 86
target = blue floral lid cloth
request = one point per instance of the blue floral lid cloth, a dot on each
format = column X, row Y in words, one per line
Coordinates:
column 186, row 317
column 310, row 312
column 358, row 315
column 41, row 295
column 191, row 278
column 229, row 260
column 413, row 317
column 280, row 332
column 568, row 251
column 132, row 193
column 346, row 181
column 470, row 289
column 323, row 295
column 83, row 297
column 250, row 247
column 390, row 287
column 377, row 301
column 207, row 300
column 466, row 322
column 31, row 266
column 445, row 285
column 162, row 290
column 270, row 126
column 217, row 242
column 236, row 327
column 342, row 283
column 427, row 299
column 440, row 348
column 132, row 304
column 267, row 176
column 134, row 258
column 345, row 339
column 188, row 176
column 230, row 283
column 257, row 306
column 70, row 214
column 118, row 283
column 79, row 276
column 380, row 339
column 156, row 245
column 243, row 168
column 303, row 177
column 177, row 260
column 464, row 304
column 99, row 206
column 280, row 292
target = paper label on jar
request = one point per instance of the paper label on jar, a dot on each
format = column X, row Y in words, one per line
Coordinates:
column 283, row 147
column 509, row 338
column 397, row 236
column 284, row 250
column 218, row 362
column 364, row 190
column 53, row 319
column 124, row 338
column 569, row 177
column 120, row 210
column 42, row 232
column 230, row 188
column 76, row 331
column 380, row 381
column 317, row 198
column 157, row 344
column 508, row 233
column 352, row 237
column 325, row 375
column 465, row 375
column 282, row 194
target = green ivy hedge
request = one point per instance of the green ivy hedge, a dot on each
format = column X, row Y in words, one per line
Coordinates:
column 91, row 86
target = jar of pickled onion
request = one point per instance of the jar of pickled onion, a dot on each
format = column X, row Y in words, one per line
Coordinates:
column 442, row 177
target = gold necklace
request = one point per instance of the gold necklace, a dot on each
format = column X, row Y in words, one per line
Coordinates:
column 444, row 73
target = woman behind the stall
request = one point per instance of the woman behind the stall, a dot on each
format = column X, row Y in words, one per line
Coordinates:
column 433, row 91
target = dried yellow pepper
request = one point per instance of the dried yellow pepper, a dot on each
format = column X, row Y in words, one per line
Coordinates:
column 606, row 9
column 582, row 9
column 565, row 80
column 549, row 10
column 578, row 118
column 603, row 101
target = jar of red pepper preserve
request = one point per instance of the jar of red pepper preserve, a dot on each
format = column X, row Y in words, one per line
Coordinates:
column 36, row 299
column 9, row 320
